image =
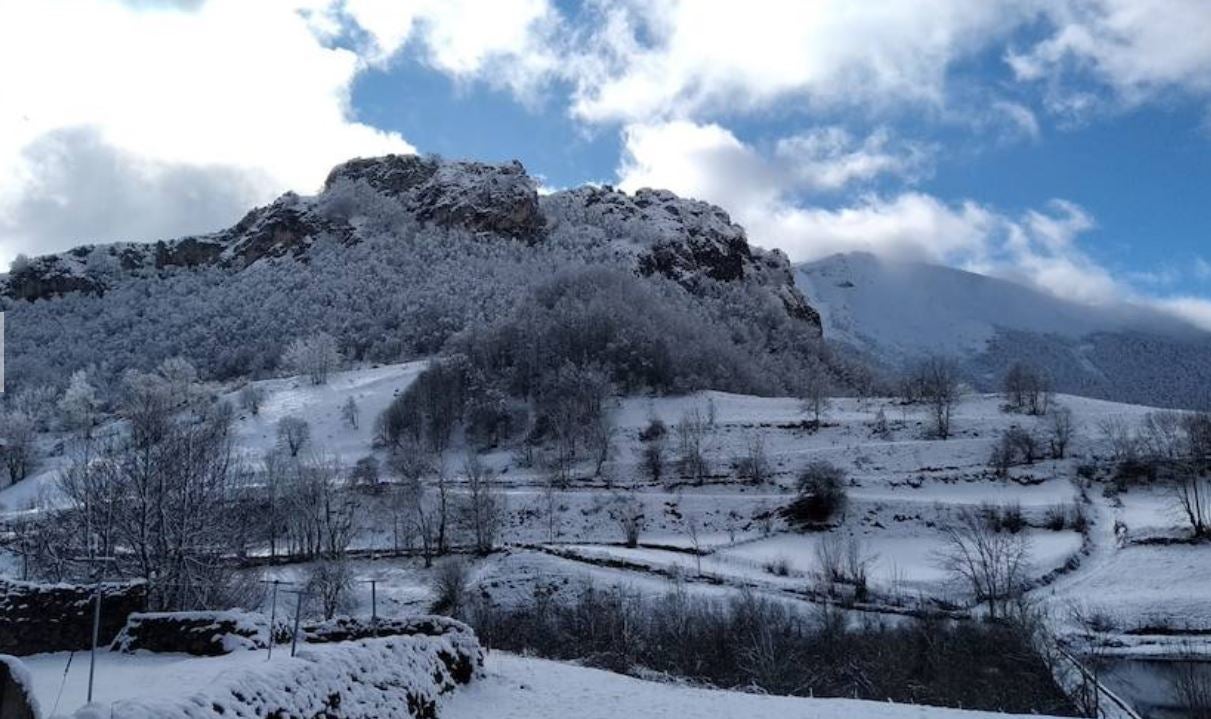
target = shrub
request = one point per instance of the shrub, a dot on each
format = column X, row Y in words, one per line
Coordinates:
column 656, row 429
column 450, row 585
column 821, row 496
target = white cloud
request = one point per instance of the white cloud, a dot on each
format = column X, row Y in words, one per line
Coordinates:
column 681, row 59
column 511, row 44
column 1139, row 48
column 830, row 158
column 1195, row 310
column 1038, row 247
column 244, row 99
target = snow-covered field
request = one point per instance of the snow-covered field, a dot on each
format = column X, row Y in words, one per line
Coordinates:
column 903, row 487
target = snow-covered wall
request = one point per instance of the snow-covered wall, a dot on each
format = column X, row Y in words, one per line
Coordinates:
column 36, row 618
column 388, row 678
column 16, row 690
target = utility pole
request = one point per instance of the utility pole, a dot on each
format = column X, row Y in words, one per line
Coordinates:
column 98, row 591
column 273, row 615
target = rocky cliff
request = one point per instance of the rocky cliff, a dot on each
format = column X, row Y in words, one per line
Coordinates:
column 685, row 240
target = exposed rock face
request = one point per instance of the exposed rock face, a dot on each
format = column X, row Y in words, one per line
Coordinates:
column 501, row 199
column 688, row 241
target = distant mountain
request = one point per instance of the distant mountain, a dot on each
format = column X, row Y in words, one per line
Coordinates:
column 899, row 311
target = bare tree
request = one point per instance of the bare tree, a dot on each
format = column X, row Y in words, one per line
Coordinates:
column 652, row 459
column 1124, row 445
column 1063, row 429
column 691, row 436
column 993, row 564
column 252, row 396
column 938, row 379
column 628, row 511
column 1027, row 389
column 316, row 356
column 485, row 511
column 350, row 412
column 693, row 531
column 330, row 584
column 754, row 465
column 293, row 434
column 815, row 396
column 1191, row 495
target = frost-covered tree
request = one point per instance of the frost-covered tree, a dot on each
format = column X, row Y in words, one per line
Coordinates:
column 316, row 356
column 79, row 405
column 17, row 444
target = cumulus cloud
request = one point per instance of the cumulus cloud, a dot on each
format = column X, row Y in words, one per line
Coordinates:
column 1138, row 48
column 1040, row 247
column 82, row 190
column 677, row 59
column 510, row 44
column 243, row 99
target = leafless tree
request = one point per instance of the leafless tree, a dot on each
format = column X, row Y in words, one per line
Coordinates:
column 1063, row 429
column 350, row 412
column 330, row 584
column 754, row 465
column 628, row 511
column 815, row 396
column 252, row 396
column 1191, row 494
column 293, row 434
column 1027, row 389
column 652, row 459
column 938, row 379
column 693, row 531
column 691, row 436
column 992, row 564
column 1124, row 445
column 485, row 510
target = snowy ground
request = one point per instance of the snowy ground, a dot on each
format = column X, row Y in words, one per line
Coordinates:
column 62, row 688
column 525, row 688
column 903, row 490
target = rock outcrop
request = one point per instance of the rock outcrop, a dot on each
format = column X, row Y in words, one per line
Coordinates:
column 688, row 241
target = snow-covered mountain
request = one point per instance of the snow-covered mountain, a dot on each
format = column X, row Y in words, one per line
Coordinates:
column 897, row 311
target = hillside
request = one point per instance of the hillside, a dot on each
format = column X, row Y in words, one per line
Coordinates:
column 899, row 311
column 394, row 257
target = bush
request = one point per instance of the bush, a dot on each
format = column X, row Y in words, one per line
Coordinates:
column 767, row 645
column 450, row 584
column 656, row 429
column 821, row 496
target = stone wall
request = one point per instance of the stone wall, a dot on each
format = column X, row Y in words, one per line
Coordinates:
column 36, row 618
column 198, row 633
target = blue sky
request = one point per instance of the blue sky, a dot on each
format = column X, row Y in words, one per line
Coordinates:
column 1062, row 143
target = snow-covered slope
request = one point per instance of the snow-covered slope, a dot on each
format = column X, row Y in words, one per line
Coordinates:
column 897, row 311
column 901, row 307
